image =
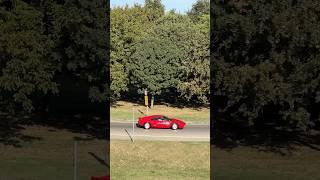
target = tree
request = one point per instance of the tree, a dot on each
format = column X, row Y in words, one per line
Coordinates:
column 43, row 43
column 195, row 75
column 128, row 27
column 25, row 71
column 80, row 32
column 155, row 9
column 266, row 63
column 192, row 39
column 135, row 27
column 154, row 66
column 200, row 8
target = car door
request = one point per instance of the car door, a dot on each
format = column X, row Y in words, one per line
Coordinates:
column 163, row 123
column 154, row 122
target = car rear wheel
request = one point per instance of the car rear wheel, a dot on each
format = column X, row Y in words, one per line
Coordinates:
column 147, row 126
column 174, row 126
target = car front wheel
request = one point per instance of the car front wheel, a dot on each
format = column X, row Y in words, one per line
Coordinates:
column 174, row 126
column 147, row 125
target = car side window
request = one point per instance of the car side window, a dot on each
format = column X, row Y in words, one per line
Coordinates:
column 159, row 118
column 166, row 118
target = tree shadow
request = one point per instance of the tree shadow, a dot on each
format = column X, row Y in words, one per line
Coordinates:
column 89, row 138
column 267, row 138
column 71, row 110
column 84, row 120
column 100, row 160
column 167, row 99
column 141, row 112
column 93, row 126
column 11, row 132
column 181, row 105
column 115, row 104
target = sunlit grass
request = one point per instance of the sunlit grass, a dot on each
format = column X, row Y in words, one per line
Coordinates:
column 160, row 160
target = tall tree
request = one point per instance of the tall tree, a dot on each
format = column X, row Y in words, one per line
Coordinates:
column 200, row 8
column 79, row 31
column 128, row 27
column 25, row 71
column 266, row 63
column 192, row 40
column 43, row 42
column 154, row 8
column 134, row 27
column 154, row 66
column 195, row 75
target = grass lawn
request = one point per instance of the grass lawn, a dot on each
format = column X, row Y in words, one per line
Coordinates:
column 123, row 112
column 244, row 163
column 160, row 160
column 50, row 157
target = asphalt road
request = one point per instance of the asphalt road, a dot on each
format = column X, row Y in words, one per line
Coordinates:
column 125, row 131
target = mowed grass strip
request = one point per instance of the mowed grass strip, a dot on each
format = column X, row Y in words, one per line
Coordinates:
column 245, row 163
column 123, row 111
column 160, row 160
column 51, row 156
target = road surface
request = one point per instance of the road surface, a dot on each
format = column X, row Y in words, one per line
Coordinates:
column 124, row 131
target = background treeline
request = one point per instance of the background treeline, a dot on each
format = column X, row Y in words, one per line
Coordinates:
column 265, row 69
column 165, row 52
column 53, row 54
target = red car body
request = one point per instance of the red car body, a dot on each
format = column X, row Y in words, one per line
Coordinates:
column 160, row 121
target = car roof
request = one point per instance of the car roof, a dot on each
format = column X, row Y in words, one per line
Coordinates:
column 155, row 116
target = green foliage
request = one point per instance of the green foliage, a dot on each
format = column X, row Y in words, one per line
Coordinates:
column 128, row 26
column 41, row 43
column 154, row 65
column 200, row 8
column 155, row 9
column 25, row 71
column 266, row 63
column 143, row 35
column 195, row 75
column 193, row 40
column 81, row 43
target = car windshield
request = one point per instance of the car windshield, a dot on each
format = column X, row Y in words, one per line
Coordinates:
column 165, row 118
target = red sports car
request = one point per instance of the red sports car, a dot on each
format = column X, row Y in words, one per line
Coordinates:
column 160, row 121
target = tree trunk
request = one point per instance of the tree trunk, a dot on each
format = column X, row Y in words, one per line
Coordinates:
column 152, row 100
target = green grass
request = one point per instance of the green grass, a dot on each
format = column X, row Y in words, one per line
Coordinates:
column 160, row 160
column 123, row 111
column 51, row 157
column 244, row 163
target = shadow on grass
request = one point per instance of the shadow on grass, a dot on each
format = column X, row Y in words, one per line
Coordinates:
column 71, row 109
column 197, row 107
column 168, row 99
column 114, row 104
column 11, row 133
column 89, row 122
column 267, row 138
column 92, row 126
column 100, row 160
column 76, row 138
